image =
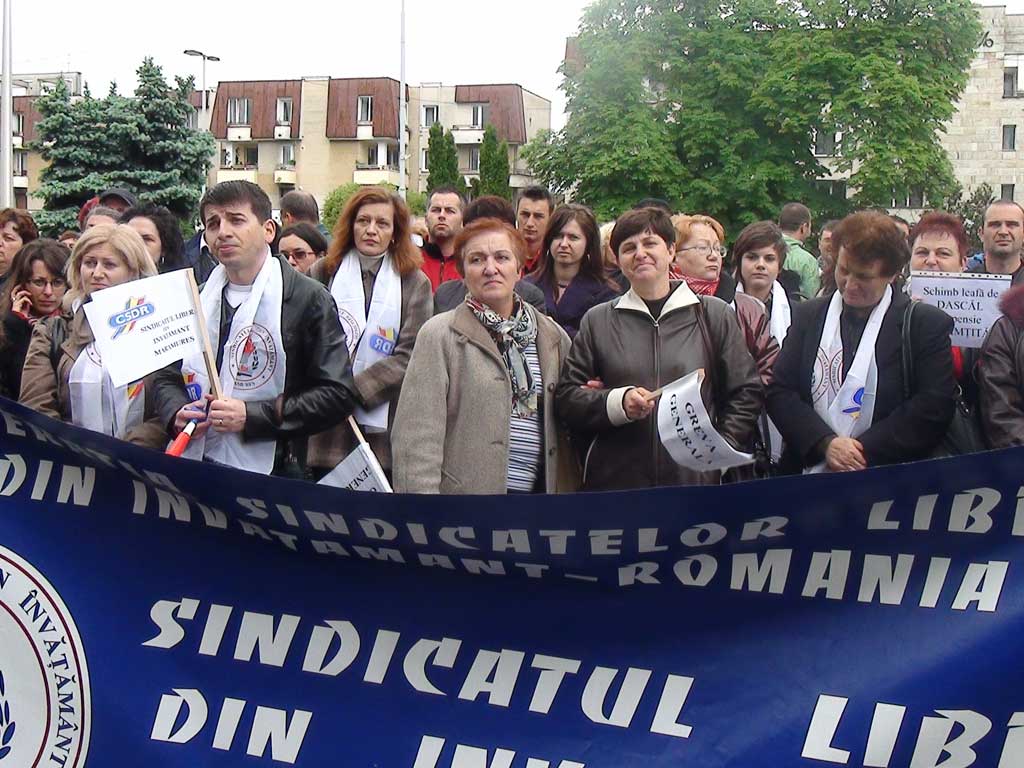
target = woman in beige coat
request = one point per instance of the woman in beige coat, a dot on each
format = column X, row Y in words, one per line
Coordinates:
column 476, row 415
column 63, row 375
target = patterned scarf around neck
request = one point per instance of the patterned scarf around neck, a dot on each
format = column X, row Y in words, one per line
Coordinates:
column 513, row 336
column 700, row 286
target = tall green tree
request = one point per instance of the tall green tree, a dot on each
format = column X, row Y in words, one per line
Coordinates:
column 167, row 160
column 494, row 168
column 141, row 142
column 715, row 106
column 443, row 159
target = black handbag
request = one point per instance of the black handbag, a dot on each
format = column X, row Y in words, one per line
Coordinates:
column 964, row 434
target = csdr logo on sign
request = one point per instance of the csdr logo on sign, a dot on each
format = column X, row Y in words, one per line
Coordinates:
column 123, row 321
column 45, row 703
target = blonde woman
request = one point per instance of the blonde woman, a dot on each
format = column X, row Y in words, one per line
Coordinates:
column 64, row 376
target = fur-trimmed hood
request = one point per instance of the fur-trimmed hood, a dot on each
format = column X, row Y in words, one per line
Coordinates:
column 1012, row 305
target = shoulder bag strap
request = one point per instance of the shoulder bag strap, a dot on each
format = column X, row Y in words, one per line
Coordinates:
column 907, row 352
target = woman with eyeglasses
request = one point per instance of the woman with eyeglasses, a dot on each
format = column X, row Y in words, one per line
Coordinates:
column 34, row 291
column 699, row 261
column 302, row 244
column 64, row 376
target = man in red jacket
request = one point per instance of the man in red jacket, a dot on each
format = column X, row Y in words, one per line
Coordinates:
column 444, row 222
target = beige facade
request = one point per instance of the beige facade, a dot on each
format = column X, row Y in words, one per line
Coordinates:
column 336, row 145
column 985, row 139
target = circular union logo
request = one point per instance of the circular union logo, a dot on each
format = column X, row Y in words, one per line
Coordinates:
column 253, row 357
column 350, row 326
column 94, row 354
column 45, row 702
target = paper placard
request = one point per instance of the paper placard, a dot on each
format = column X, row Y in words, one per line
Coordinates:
column 143, row 325
column 359, row 471
column 687, row 432
column 971, row 299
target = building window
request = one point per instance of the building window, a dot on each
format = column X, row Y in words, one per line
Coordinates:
column 424, row 161
column 371, row 155
column 284, row 111
column 1006, row 192
column 393, row 155
column 474, row 158
column 239, row 111
column 913, row 199
column 20, row 167
column 192, row 121
column 1010, row 83
column 430, row 115
column 288, row 154
column 824, row 144
column 19, row 123
column 364, row 113
column 1009, row 138
column 478, row 116
column 832, row 187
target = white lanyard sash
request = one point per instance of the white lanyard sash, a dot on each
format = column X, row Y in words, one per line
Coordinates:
column 372, row 336
column 253, row 368
column 847, row 405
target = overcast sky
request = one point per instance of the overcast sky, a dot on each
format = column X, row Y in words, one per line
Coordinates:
column 449, row 41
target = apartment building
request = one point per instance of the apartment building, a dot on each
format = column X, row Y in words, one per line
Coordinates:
column 28, row 164
column 316, row 134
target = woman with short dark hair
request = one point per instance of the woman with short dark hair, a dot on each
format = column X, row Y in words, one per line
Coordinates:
column 34, row 291
column 302, row 244
column 161, row 232
column 17, row 227
column 656, row 333
column 839, row 397
column 572, row 274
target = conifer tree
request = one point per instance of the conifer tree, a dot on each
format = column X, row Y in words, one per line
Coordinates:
column 494, row 168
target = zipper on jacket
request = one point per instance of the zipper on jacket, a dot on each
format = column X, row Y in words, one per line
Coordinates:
column 654, row 415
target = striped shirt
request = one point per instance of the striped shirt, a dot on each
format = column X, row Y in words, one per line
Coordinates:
column 526, row 435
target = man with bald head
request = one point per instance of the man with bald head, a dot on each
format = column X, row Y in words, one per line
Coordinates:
column 298, row 206
column 1002, row 234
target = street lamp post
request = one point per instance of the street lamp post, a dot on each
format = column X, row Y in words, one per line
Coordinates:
column 205, row 58
column 6, row 108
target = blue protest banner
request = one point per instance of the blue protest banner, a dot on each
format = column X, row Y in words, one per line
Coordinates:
column 160, row 612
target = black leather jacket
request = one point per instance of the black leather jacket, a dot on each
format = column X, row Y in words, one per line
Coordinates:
column 318, row 388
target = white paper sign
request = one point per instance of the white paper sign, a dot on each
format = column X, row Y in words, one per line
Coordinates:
column 972, row 300
column 360, row 471
column 144, row 325
column 687, row 433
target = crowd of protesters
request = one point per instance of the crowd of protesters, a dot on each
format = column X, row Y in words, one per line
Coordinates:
column 495, row 348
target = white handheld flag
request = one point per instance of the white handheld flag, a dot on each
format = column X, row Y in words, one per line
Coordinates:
column 686, row 431
column 359, row 471
column 144, row 325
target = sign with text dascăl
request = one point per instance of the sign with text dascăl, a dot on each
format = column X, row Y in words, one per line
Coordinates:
column 972, row 300
column 144, row 325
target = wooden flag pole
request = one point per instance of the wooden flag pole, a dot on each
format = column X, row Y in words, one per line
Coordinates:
column 204, row 337
column 359, row 432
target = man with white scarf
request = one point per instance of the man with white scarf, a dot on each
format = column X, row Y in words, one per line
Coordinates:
column 280, row 350
column 839, row 397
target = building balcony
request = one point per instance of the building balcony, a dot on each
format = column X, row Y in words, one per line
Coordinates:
column 239, row 133
column 367, row 175
column 285, row 176
column 364, row 131
column 237, row 173
column 20, row 180
column 467, row 134
column 283, row 131
column 17, row 141
column 520, row 180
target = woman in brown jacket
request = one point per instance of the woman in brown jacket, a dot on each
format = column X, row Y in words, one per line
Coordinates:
column 628, row 348
column 476, row 414
column 372, row 270
column 63, row 375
